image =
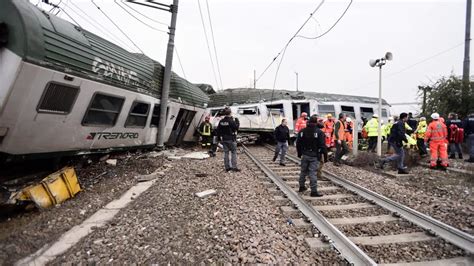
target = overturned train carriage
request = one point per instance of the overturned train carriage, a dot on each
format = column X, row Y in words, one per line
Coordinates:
column 261, row 110
column 65, row 90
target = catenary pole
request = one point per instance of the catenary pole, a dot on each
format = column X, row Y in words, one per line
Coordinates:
column 379, row 127
column 167, row 77
column 465, row 71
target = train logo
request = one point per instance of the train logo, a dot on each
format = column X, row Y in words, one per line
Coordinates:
column 108, row 69
column 112, row 135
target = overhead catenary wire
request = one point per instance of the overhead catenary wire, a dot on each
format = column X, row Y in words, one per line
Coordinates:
column 144, row 23
column 179, row 61
column 327, row 31
column 117, row 26
column 207, row 42
column 214, row 43
column 291, row 39
column 145, row 16
column 97, row 25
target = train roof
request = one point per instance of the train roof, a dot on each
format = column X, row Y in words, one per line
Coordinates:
column 249, row 95
column 49, row 41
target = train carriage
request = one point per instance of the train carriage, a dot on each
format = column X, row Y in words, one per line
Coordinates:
column 261, row 110
column 65, row 90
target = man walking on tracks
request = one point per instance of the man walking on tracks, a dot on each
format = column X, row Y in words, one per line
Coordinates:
column 396, row 138
column 227, row 133
column 282, row 135
column 340, row 139
column 310, row 145
column 437, row 134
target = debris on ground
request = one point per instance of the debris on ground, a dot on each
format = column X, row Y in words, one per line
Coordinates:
column 112, row 162
column 196, row 155
column 206, row 193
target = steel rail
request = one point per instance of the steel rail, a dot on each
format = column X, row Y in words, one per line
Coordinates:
column 350, row 251
column 438, row 228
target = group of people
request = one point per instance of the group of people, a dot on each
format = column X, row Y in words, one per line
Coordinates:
column 316, row 135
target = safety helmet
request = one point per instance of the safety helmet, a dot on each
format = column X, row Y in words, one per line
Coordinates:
column 422, row 118
column 390, row 119
column 329, row 115
column 375, row 116
column 435, row 116
column 348, row 119
column 304, row 114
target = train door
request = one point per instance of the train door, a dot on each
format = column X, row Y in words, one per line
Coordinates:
column 299, row 108
column 180, row 127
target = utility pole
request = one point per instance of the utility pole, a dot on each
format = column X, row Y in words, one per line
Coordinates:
column 296, row 81
column 165, row 90
column 254, row 79
column 465, row 71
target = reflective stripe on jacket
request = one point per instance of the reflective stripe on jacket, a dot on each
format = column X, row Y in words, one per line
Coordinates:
column 300, row 124
column 421, row 130
column 372, row 127
column 436, row 131
column 340, row 128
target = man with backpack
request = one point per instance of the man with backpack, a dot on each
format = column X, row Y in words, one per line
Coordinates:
column 455, row 135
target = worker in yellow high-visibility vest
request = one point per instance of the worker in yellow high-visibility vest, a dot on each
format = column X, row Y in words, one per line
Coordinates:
column 372, row 128
column 205, row 129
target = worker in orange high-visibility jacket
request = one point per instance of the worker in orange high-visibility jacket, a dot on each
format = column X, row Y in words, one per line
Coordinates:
column 436, row 134
column 349, row 132
column 328, row 130
column 301, row 122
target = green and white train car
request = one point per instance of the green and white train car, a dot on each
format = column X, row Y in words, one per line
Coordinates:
column 65, row 90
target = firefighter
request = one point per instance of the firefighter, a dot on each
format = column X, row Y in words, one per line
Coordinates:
column 420, row 137
column 328, row 130
column 301, row 122
column 436, row 134
column 205, row 129
column 469, row 132
column 372, row 132
column 455, row 135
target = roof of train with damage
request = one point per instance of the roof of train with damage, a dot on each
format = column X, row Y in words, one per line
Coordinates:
column 230, row 97
column 49, row 41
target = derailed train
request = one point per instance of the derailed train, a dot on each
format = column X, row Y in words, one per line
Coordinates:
column 261, row 110
column 67, row 91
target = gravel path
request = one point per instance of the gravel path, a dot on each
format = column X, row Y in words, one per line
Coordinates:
column 169, row 224
column 25, row 233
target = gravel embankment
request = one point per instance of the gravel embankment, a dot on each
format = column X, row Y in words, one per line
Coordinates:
column 169, row 224
column 25, row 233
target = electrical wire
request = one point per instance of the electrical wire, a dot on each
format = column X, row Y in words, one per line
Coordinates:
column 117, row 26
column 291, row 39
column 95, row 24
column 214, row 43
column 324, row 33
column 156, row 21
column 207, row 42
column 179, row 61
column 144, row 23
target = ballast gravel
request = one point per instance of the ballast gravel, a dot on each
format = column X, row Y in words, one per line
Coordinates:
column 379, row 228
column 168, row 224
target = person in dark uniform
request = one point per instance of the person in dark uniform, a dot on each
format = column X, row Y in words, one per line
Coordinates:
column 454, row 125
column 469, row 132
column 310, row 145
column 412, row 123
column 282, row 136
column 227, row 134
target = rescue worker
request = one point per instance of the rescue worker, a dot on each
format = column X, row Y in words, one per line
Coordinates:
column 348, row 132
column 372, row 132
column 282, row 136
column 301, row 122
column 469, row 132
column 339, row 139
column 420, row 136
column 388, row 128
column 215, row 138
column 227, row 134
column 310, row 145
column 205, row 129
column 328, row 130
column 436, row 134
column 383, row 130
column 412, row 123
column 395, row 139
column 455, row 134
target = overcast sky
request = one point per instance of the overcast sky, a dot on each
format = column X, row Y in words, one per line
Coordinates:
column 425, row 37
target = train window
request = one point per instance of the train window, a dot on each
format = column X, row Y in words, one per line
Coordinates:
column 348, row 110
column 384, row 113
column 325, row 109
column 366, row 112
column 155, row 118
column 138, row 115
column 276, row 109
column 57, row 99
column 103, row 110
column 248, row 111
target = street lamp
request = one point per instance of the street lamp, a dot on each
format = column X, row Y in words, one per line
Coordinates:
column 379, row 63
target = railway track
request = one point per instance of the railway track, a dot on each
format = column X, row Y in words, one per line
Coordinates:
column 364, row 227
